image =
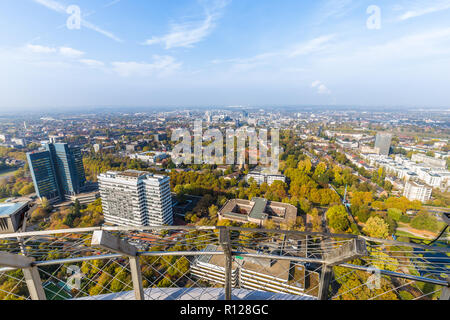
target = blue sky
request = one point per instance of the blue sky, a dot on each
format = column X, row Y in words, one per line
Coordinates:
column 224, row 52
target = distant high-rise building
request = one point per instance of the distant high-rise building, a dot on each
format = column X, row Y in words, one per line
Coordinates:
column 319, row 131
column 136, row 198
column 69, row 166
column 160, row 137
column 383, row 143
column 208, row 117
column 57, row 171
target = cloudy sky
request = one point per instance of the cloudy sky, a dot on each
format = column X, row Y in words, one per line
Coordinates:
column 224, row 52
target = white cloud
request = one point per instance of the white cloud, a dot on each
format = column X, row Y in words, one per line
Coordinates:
column 423, row 44
column 335, row 9
column 70, row 52
column 321, row 88
column 52, row 5
column 189, row 33
column 63, row 51
column 92, row 63
column 161, row 66
column 422, row 10
column 39, row 49
column 311, row 46
column 58, row 7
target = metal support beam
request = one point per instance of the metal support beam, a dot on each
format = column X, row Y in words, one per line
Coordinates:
column 108, row 241
column 136, row 276
column 15, row 261
column 351, row 250
column 445, row 294
column 325, row 279
column 34, row 283
column 225, row 243
column 30, row 272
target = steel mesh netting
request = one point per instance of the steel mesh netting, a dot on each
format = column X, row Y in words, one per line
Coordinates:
column 277, row 242
column 170, row 239
column 46, row 247
column 176, row 277
column 12, row 285
column 431, row 262
column 351, row 284
column 71, row 269
column 90, row 279
column 110, row 278
column 295, row 265
column 428, row 262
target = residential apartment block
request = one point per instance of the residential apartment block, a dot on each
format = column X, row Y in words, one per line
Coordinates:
column 136, row 198
column 431, row 161
column 416, row 191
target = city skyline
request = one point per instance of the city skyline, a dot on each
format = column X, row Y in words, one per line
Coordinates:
column 219, row 52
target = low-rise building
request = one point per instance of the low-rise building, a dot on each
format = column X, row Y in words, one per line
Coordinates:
column 261, row 176
column 12, row 216
column 253, row 273
column 258, row 211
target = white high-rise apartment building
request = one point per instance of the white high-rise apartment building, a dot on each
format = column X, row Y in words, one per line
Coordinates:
column 136, row 198
column 416, row 191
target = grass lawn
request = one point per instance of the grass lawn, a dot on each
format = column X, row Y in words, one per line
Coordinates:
column 8, row 172
column 401, row 233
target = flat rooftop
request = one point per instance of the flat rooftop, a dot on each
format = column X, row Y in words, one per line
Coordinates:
column 201, row 294
column 258, row 208
column 7, row 209
column 132, row 173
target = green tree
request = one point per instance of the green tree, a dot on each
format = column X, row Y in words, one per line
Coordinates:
column 376, row 227
column 338, row 218
column 425, row 221
column 213, row 210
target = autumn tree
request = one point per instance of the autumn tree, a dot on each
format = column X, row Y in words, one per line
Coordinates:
column 376, row 227
column 337, row 217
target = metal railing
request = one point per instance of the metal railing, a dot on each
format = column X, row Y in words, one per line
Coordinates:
column 217, row 263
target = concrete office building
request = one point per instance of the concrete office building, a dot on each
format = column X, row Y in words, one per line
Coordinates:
column 277, row 276
column 383, row 143
column 258, row 211
column 12, row 216
column 136, row 198
column 57, row 171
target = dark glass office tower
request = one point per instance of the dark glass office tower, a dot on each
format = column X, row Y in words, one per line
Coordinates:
column 66, row 166
column 69, row 167
column 44, row 175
